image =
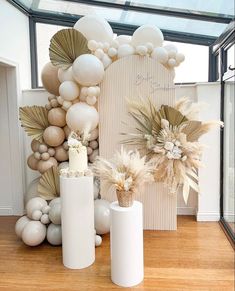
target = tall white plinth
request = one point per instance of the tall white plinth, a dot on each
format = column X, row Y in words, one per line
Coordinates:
column 126, row 238
column 77, row 220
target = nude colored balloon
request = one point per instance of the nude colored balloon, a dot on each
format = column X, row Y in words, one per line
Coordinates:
column 36, row 203
column 81, row 117
column 56, row 116
column 34, row 233
column 53, row 136
column 50, row 79
column 93, row 134
column 94, row 27
column 20, row 224
column 88, row 70
column 147, row 33
column 43, row 166
column 35, row 145
column 32, row 162
column 61, row 154
column 67, row 131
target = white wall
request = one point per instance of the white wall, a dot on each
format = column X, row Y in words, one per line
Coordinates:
column 206, row 205
column 14, row 41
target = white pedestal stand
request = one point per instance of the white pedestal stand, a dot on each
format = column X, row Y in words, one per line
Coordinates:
column 126, row 238
column 77, row 219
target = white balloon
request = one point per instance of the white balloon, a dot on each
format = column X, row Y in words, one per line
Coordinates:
column 123, row 39
column 92, row 45
column 81, row 117
column 20, row 224
column 142, row 50
column 125, row 50
column 149, row 46
column 65, row 75
column 67, row 105
column 54, row 234
column 36, row 203
column 91, row 91
column 37, row 214
column 179, row 57
column 112, row 52
column 102, row 216
column 95, row 27
column 147, row 33
column 69, row 90
column 91, row 100
column 55, row 213
column 160, row 54
column 45, row 210
column 88, row 70
column 54, row 201
column 171, row 48
column 34, row 233
column 99, row 53
column 98, row 240
column 106, row 60
column 45, row 219
column 171, row 63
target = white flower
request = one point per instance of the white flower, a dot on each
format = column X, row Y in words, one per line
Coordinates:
column 72, row 142
column 177, row 143
column 169, row 155
column 169, row 146
column 164, row 123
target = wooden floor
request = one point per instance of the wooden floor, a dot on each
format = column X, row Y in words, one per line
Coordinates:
column 196, row 257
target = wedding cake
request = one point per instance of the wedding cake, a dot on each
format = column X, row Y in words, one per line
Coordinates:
column 77, row 155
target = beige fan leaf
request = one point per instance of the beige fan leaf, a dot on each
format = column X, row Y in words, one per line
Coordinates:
column 191, row 130
column 48, row 186
column 65, row 46
column 34, row 120
column 174, row 117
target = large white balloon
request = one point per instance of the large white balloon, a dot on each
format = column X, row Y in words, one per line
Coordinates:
column 102, row 216
column 69, row 90
column 54, row 234
column 65, row 75
column 147, row 33
column 82, row 117
column 94, row 27
column 20, row 224
column 36, row 203
column 34, row 233
column 88, row 70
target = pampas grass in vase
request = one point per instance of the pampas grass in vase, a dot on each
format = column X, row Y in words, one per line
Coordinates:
column 126, row 172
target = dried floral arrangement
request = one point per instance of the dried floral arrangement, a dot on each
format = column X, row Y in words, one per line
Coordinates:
column 169, row 137
column 126, row 172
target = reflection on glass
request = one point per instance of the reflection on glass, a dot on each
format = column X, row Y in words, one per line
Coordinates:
column 229, row 189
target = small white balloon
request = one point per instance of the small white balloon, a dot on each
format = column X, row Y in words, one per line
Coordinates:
column 88, row 70
column 125, row 50
column 60, row 100
column 45, row 210
column 170, row 48
column 102, row 216
column 179, row 57
column 160, row 54
column 45, row 219
column 34, row 233
column 37, row 214
column 67, row 105
column 36, row 203
column 55, row 213
column 147, row 33
column 69, row 90
column 98, row 240
column 171, row 63
column 92, row 45
column 149, row 46
column 112, row 52
column 54, row 234
column 81, row 117
column 115, row 44
column 106, row 46
column 91, row 91
column 65, row 75
column 99, row 53
column 141, row 50
column 106, row 60
column 91, row 100
column 20, row 224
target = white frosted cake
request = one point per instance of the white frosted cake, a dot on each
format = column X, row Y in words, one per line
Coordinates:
column 77, row 155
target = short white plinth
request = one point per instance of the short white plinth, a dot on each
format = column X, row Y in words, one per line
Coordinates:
column 77, row 220
column 126, row 239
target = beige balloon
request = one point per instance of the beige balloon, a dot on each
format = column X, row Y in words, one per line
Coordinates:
column 32, row 162
column 67, row 131
column 35, row 145
column 50, row 79
column 43, row 166
column 61, row 154
column 53, row 136
column 56, row 116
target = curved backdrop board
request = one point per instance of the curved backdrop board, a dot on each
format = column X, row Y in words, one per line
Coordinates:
column 133, row 77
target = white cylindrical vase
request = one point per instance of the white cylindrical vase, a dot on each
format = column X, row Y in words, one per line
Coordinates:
column 77, row 221
column 126, row 242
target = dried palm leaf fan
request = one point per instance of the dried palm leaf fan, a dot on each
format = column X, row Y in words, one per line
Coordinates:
column 48, row 186
column 65, row 46
column 34, row 120
column 171, row 114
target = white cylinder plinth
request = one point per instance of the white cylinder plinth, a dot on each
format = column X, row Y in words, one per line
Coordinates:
column 77, row 221
column 126, row 242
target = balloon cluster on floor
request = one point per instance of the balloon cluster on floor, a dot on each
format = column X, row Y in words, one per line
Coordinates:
column 79, row 57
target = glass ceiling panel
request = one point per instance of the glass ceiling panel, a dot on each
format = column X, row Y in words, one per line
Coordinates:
column 164, row 22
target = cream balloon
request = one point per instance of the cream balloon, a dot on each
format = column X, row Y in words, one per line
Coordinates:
column 125, row 50
column 34, row 233
column 56, row 116
column 82, row 117
column 43, row 166
column 50, row 79
column 179, row 57
column 147, row 33
column 102, row 216
column 36, row 203
column 54, row 201
column 94, row 27
column 65, row 75
column 32, row 162
column 55, row 213
column 20, row 224
column 88, row 70
column 123, row 39
column 54, row 234
column 53, row 136
column 160, row 54
column 69, row 90
column 98, row 240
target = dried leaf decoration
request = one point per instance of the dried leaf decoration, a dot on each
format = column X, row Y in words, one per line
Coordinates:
column 34, row 120
column 65, row 46
column 48, row 186
column 174, row 116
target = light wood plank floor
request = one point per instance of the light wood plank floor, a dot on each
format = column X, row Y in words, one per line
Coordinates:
column 196, row 257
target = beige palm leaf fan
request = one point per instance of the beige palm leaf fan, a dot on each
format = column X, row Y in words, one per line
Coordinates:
column 48, row 186
column 34, row 120
column 65, row 46
column 171, row 114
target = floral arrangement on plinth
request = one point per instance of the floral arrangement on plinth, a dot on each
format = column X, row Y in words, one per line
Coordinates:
column 169, row 137
column 126, row 172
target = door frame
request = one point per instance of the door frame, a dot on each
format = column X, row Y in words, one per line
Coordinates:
column 16, row 140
